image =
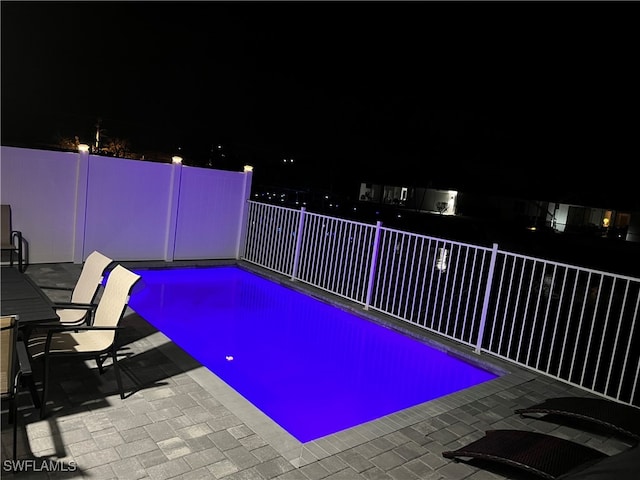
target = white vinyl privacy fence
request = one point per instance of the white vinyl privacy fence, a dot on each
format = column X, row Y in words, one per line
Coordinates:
column 68, row 204
column 571, row 323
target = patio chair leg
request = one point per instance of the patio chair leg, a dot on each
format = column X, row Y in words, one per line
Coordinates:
column 10, row 416
column 99, row 364
column 14, row 413
column 45, row 387
column 31, row 384
column 116, row 370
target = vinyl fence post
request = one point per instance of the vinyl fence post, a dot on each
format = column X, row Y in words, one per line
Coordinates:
column 244, row 212
column 173, row 205
column 80, row 214
column 487, row 294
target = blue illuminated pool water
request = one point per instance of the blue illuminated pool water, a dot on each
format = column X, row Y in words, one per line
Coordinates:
column 311, row 367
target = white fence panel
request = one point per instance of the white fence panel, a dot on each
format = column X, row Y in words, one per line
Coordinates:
column 432, row 283
column 210, row 214
column 272, row 232
column 40, row 186
column 127, row 208
column 572, row 323
column 335, row 255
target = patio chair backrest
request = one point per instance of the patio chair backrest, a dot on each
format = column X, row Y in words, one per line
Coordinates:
column 115, row 297
column 10, row 239
column 91, row 277
column 8, row 325
column 5, row 215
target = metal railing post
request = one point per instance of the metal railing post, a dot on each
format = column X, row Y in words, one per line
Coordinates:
column 374, row 264
column 487, row 295
column 296, row 254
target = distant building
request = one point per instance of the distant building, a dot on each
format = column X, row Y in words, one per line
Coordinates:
column 525, row 213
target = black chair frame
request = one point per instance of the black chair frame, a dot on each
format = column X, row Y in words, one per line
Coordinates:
column 14, row 241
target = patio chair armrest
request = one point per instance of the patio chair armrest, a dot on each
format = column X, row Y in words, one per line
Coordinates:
column 74, row 328
column 56, row 328
column 89, row 307
column 16, row 234
column 75, row 306
column 23, row 358
column 54, row 287
column 98, row 327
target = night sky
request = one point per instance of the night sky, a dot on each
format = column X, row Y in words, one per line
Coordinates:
column 535, row 98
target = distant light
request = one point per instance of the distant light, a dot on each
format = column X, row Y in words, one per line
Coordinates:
column 176, row 159
column 441, row 260
column 83, row 147
column 248, row 168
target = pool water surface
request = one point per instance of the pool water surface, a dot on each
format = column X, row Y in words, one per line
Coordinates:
column 311, row 367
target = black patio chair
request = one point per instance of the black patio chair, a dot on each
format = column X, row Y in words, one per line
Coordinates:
column 10, row 240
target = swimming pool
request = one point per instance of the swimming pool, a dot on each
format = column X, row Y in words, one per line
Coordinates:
column 311, row 367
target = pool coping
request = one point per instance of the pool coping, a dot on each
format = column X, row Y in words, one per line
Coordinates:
column 300, row 454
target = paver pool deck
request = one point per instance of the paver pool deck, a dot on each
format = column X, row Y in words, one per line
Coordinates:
column 179, row 420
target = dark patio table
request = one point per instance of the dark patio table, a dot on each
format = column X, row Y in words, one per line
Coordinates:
column 21, row 296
